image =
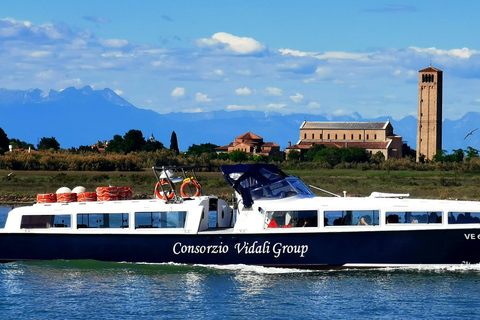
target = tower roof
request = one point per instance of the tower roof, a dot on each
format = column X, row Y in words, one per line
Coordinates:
column 430, row 69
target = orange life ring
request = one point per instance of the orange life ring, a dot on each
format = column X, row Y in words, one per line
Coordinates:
column 185, row 183
column 158, row 191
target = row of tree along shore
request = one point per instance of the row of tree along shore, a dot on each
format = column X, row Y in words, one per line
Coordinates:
column 133, row 153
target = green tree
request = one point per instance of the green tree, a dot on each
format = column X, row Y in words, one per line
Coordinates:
column 293, row 155
column 378, row 157
column 153, row 145
column 440, row 155
column 174, row 143
column 202, row 148
column 238, row 156
column 471, row 153
column 223, row 156
column 116, row 144
column 310, row 154
column 457, row 155
column 133, row 140
column 4, row 141
column 48, row 143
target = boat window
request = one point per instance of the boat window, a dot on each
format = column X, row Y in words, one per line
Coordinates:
column 291, row 219
column 102, row 220
column 413, row 217
column 171, row 219
column 351, row 218
column 463, row 217
column 46, row 221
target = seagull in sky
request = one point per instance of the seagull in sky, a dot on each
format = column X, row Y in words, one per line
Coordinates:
column 470, row 133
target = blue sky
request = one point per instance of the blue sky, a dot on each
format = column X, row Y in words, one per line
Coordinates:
column 318, row 57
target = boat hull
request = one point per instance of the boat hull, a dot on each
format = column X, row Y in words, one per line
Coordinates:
column 300, row 250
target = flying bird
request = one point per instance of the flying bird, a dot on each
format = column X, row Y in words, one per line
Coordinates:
column 470, row 133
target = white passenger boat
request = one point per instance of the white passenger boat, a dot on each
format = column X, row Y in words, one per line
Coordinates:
column 275, row 220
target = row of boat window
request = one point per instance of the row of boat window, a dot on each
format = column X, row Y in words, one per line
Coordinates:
column 294, row 219
column 172, row 219
column 273, row 219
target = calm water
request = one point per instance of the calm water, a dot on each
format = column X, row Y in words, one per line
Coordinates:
column 99, row 290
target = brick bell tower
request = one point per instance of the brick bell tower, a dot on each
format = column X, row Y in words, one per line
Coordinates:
column 429, row 127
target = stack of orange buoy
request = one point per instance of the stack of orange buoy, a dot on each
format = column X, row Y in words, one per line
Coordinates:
column 125, row 193
column 86, row 196
column 107, row 193
column 46, row 198
column 65, row 195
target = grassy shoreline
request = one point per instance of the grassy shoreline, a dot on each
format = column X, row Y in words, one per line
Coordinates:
column 23, row 186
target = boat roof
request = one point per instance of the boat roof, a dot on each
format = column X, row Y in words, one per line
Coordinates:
column 245, row 177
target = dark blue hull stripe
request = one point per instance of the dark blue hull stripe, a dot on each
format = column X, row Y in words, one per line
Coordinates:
column 313, row 250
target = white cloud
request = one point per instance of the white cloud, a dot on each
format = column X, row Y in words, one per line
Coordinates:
column 234, row 107
column 46, row 75
column 397, row 72
column 243, row 91
column 231, row 43
column 297, row 53
column 118, row 92
column 297, row 98
column 463, row 53
column 202, row 98
column 276, row 106
column 219, row 72
column 195, row 110
column 314, row 105
column 323, row 72
column 178, row 92
column 114, row 43
column 273, row 91
column 338, row 55
column 333, row 55
column 40, row 54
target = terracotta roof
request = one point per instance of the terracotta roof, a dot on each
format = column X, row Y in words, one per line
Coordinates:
column 344, row 125
column 225, row 148
column 270, row 144
column 249, row 135
column 353, row 144
column 430, row 69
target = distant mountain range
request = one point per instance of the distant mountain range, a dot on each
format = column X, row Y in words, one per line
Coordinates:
column 82, row 116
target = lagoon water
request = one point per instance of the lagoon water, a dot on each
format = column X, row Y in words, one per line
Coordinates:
column 100, row 290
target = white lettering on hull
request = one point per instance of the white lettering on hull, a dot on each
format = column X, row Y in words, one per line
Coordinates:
column 277, row 249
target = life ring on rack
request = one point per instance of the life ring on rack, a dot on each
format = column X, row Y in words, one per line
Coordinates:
column 187, row 182
column 159, row 193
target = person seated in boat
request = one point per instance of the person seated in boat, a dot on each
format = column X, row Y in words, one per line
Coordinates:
column 348, row 218
column 393, row 218
column 365, row 221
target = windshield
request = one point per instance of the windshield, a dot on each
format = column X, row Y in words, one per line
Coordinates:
column 282, row 189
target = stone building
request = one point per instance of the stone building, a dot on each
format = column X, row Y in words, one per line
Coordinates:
column 372, row 136
column 252, row 144
column 429, row 128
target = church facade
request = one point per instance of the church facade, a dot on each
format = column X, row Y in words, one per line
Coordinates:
column 372, row 136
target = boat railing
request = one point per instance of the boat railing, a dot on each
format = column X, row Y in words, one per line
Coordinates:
column 169, row 176
column 327, row 192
